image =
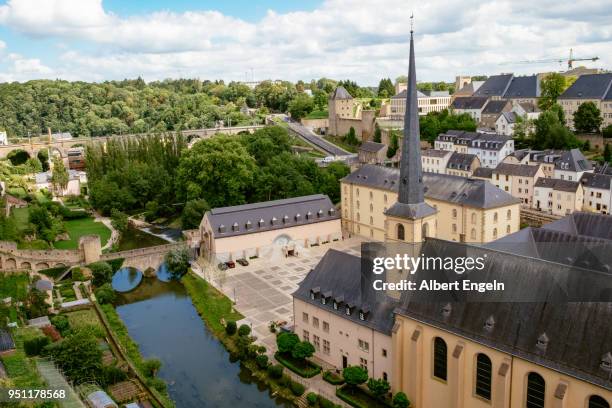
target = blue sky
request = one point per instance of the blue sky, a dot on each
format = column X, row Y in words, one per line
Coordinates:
column 96, row 40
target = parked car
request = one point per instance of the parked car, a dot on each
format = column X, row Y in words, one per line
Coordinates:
column 222, row 266
column 230, row 264
column 243, row 262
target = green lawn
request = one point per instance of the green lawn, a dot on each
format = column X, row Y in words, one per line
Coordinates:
column 20, row 369
column 320, row 114
column 83, row 226
column 14, row 285
column 338, row 141
column 21, row 217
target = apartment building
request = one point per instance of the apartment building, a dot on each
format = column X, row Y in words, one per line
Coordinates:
column 490, row 148
column 558, row 197
column 597, row 192
column 571, row 166
column 428, row 101
column 462, row 164
column 491, row 112
column 471, row 105
column 519, row 89
column 517, row 179
column 435, row 160
column 596, row 88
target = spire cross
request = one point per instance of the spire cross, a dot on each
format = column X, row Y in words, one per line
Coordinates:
column 411, row 22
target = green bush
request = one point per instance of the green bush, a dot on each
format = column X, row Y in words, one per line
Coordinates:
column 275, row 371
column 112, row 375
column 105, row 294
column 303, row 368
column 230, row 328
column 332, row 378
column 400, row 400
column 33, row 347
column 115, row 264
column 244, row 330
column 284, row 381
column 325, row 403
column 61, row 323
column 262, row 361
column 311, row 397
column 296, row 388
column 157, row 383
column 102, row 272
column 77, row 274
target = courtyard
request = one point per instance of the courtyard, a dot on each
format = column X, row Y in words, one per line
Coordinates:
column 262, row 290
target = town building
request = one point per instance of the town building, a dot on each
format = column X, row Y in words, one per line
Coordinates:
column 491, row 112
column 596, row 88
column 572, row 165
column 490, row 148
column 504, row 125
column 464, row 86
column 519, row 89
column 271, row 228
column 346, row 113
column 471, row 105
column 545, row 158
column 558, row 197
column 372, row 153
column 435, row 161
column 76, row 158
column 75, row 178
column 517, row 179
column 428, row 101
column 597, row 192
column 462, row 164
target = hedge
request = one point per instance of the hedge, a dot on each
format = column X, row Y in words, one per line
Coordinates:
column 54, row 272
column 332, row 378
column 289, row 362
column 360, row 398
column 296, row 388
column 116, row 264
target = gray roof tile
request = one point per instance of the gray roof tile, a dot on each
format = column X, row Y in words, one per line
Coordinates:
column 495, row 85
column 522, row 170
column 340, row 93
column 593, row 86
column 469, row 102
column 573, row 160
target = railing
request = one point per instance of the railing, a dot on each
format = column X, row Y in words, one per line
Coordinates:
column 141, row 251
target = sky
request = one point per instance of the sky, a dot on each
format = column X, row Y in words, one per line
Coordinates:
column 361, row 40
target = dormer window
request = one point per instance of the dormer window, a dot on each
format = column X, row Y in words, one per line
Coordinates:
column 335, row 305
column 348, row 311
column 298, row 216
column 319, row 213
column 542, row 342
column 312, row 295
column 361, row 315
column 248, row 225
column 332, row 211
column 273, row 221
column 235, row 227
column 285, row 219
column 222, row 228
column 606, row 362
column 323, row 300
column 261, row 223
column 308, row 215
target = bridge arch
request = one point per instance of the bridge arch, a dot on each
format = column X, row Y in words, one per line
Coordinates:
column 42, row 265
column 11, row 263
column 26, row 265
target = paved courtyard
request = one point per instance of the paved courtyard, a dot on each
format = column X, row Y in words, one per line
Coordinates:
column 262, row 290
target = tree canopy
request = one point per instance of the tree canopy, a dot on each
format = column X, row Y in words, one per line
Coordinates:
column 552, row 86
column 587, row 118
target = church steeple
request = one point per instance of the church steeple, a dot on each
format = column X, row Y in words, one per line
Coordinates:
column 411, row 173
column 411, row 201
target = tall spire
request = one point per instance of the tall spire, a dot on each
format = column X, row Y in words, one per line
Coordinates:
column 411, row 202
column 411, row 176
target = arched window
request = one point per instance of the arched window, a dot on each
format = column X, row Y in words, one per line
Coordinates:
column 507, row 229
column 508, row 214
column 385, row 199
column 536, row 391
column 439, row 358
column 595, row 401
column 357, row 204
column 371, row 220
column 473, row 233
column 454, row 213
column 371, row 207
column 473, row 218
column 371, row 195
column 400, row 232
column 484, row 369
column 495, row 217
column 425, row 230
column 494, row 232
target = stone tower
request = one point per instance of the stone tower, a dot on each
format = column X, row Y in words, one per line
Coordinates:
column 411, row 219
column 339, row 105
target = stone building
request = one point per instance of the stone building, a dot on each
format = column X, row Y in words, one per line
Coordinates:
column 271, row 228
column 471, row 105
column 346, row 113
column 428, row 101
column 491, row 112
column 490, row 148
column 372, row 153
column 596, row 88
column 558, row 197
column 517, row 179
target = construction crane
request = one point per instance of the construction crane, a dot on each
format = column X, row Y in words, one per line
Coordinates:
column 570, row 60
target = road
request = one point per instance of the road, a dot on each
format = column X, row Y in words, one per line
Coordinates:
column 317, row 141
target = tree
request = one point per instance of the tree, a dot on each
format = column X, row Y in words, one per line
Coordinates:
column 607, row 132
column 354, row 376
column 378, row 387
column 101, row 272
column 385, row 88
column 587, row 118
column 59, row 176
column 230, row 327
column 301, row 106
column 244, row 330
column 551, row 134
column 400, row 400
column 177, row 261
column 393, row 144
column 351, row 137
column 320, row 99
column 105, row 294
column 151, row 366
column 607, row 154
column 193, row 212
column 286, row 341
column 119, row 220
column 302, row 350
column 552, row 86
column 43, row 157
column 78, row 355
column 377, row 134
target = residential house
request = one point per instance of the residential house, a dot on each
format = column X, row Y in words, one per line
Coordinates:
column 504, row 125
column 597, row 192
column 490, row 148
column 428, row 101
column 491, row 112
column 471, row 105
column 372, row 153
column 76, row 158
column 596, row 88
column 572, row 165
column 434, row 161
column 462, row 164
column 518, row 89
column 558, row 197
column 43, row 181
column 517, row 179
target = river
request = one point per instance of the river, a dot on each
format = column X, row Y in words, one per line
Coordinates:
column 162, row 320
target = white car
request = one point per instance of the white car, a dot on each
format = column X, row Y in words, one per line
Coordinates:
column 328, row 159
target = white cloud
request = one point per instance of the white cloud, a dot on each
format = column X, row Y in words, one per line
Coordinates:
column 341, row 38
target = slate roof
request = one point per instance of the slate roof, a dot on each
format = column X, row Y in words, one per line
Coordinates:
column 480, row 140
column 558, row 184
column 435, row 153
column 529, row 107
column 460, row 161
column 510, row 116
column 495, row 85
column 596, row 180
column 579, row 334
column 371, row 147
column 469, row 102
column 573, row 160
column 520, row 154
column 595, row 86
column 523, row 87
column 483, row 172
column 340, row 93
column 338, row 275
column 271, row 215
column 522, row 170
column 545, row 156
column 422, row 94
column 469, row 89
column 442, row 187
column 494, row 107
column 584, row 223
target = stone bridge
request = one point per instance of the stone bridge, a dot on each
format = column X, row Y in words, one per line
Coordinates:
column 62, row 146
column 89, row 251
